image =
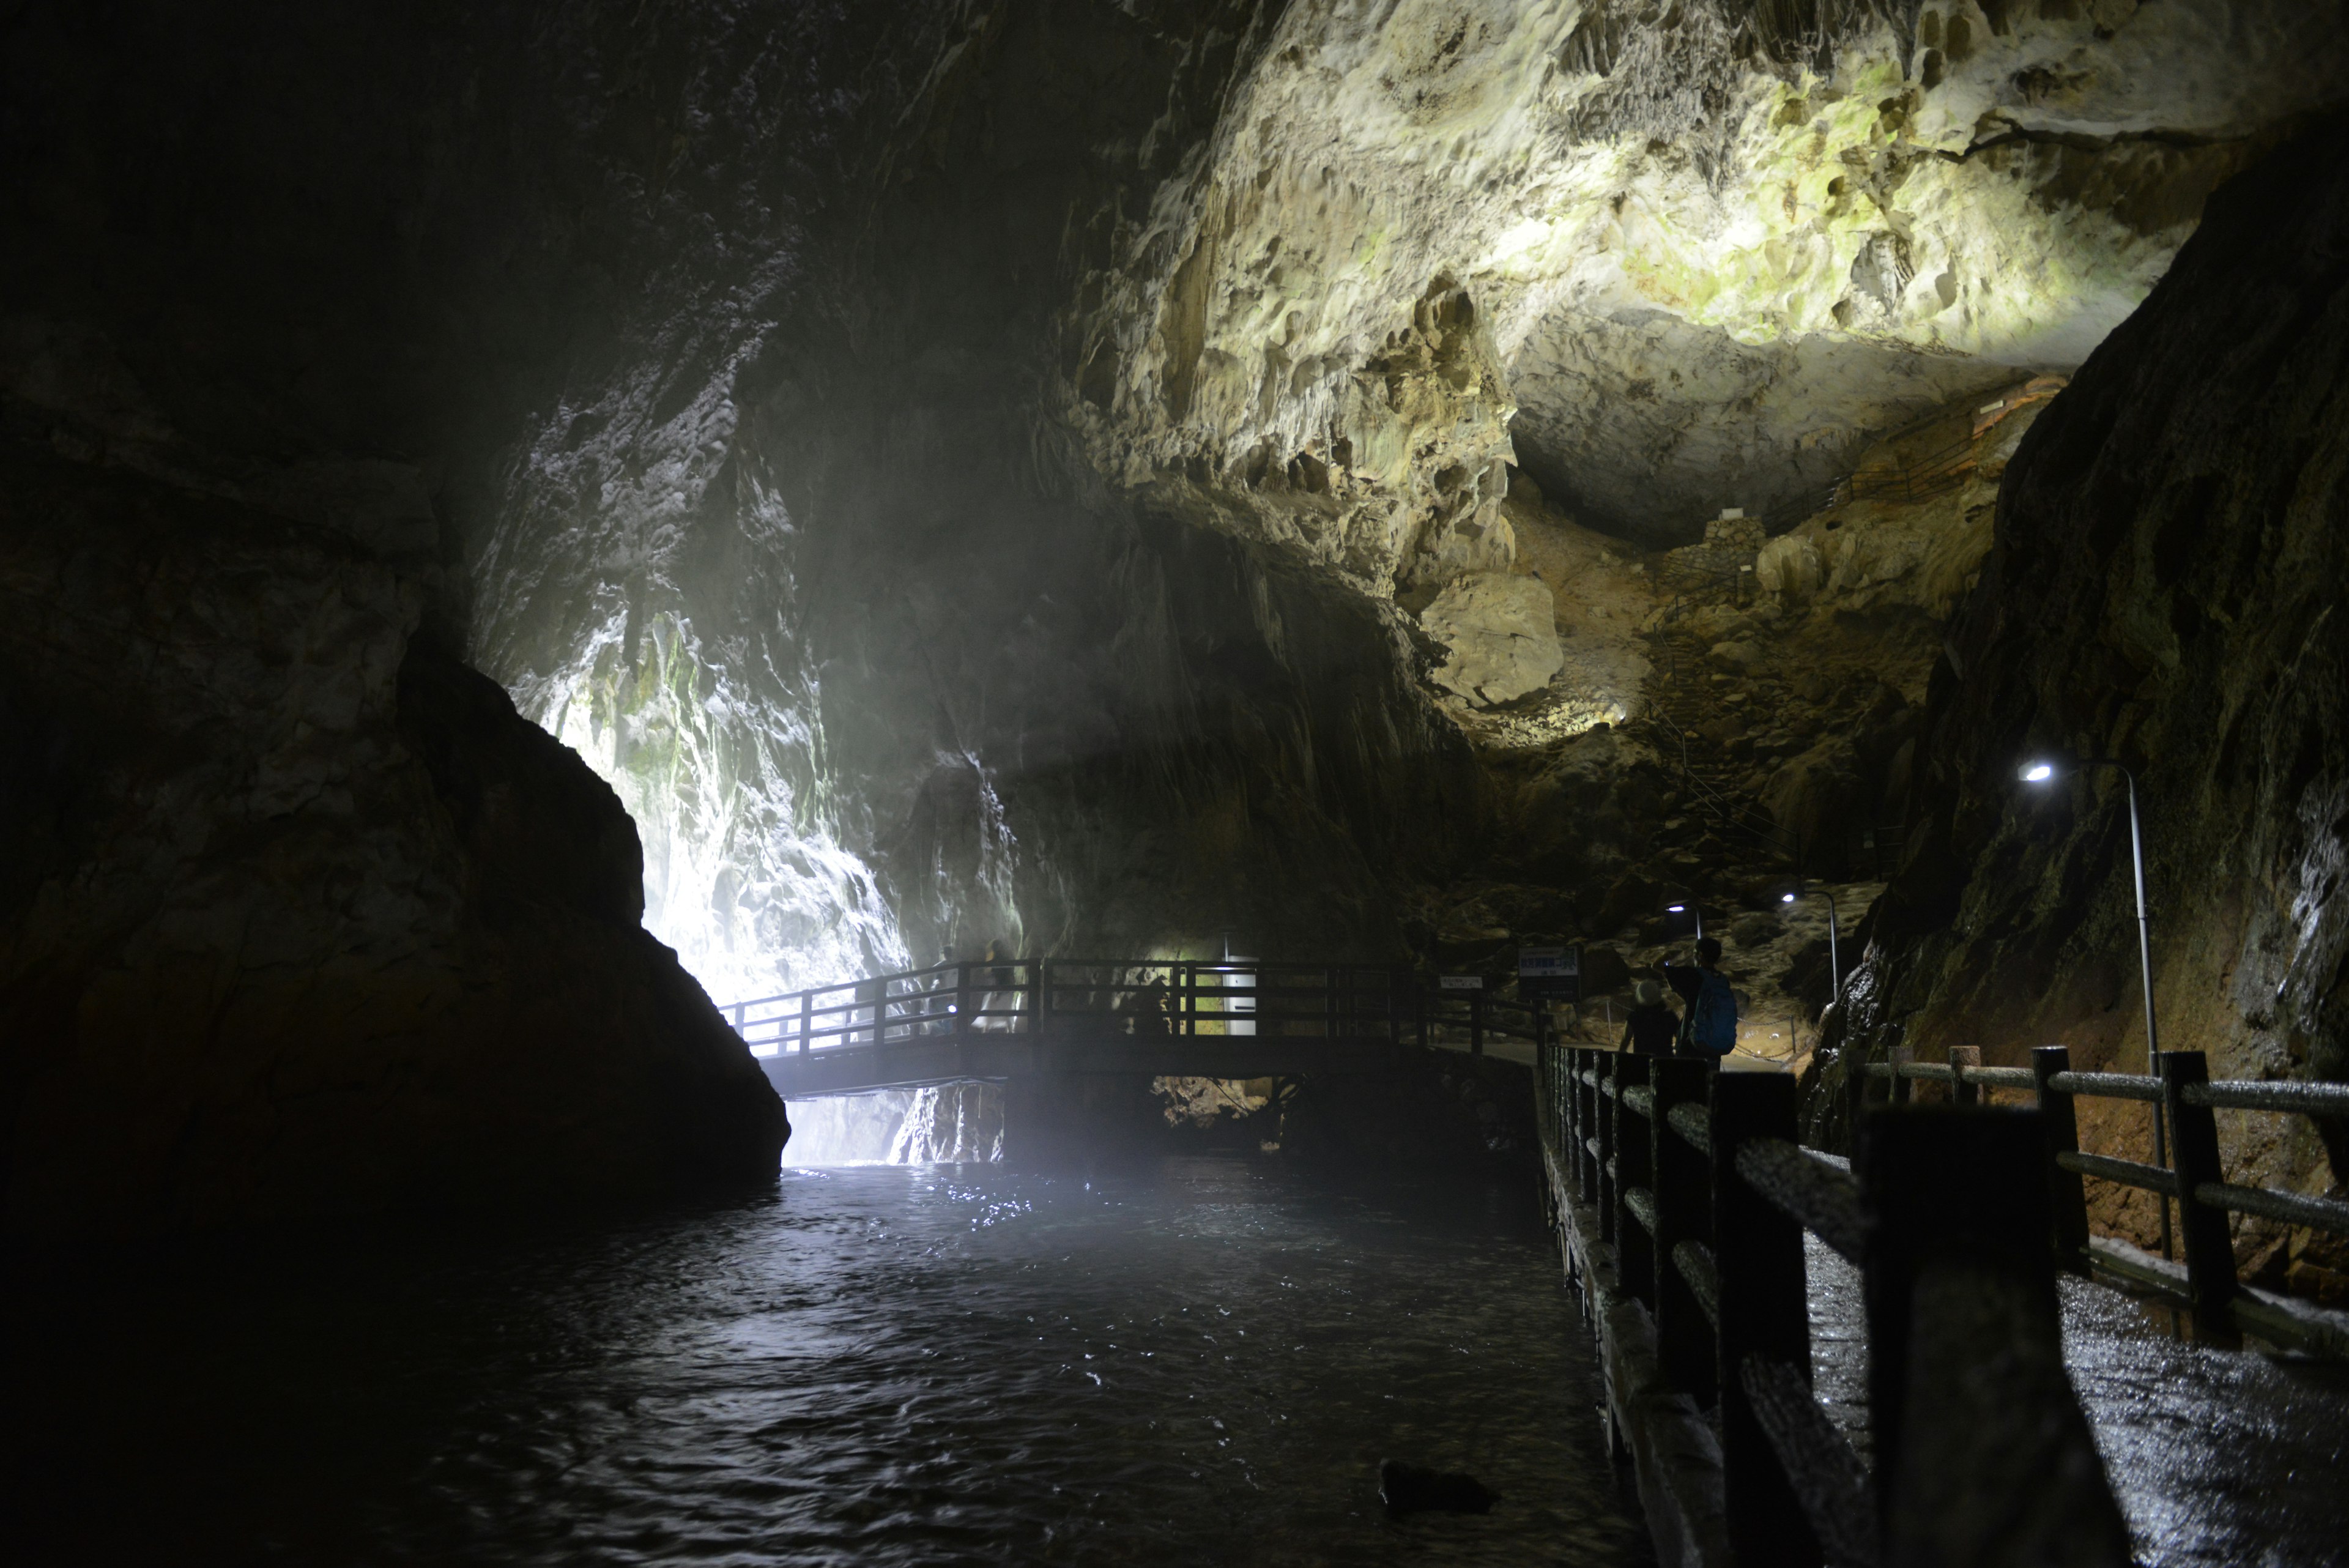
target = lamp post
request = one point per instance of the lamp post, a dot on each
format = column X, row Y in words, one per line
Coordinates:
column 1688, row 906
column 2044, row 771
column 1834, row 960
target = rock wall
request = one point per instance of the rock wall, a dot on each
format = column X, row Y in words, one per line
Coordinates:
column 2164, row 590
column 300, row 918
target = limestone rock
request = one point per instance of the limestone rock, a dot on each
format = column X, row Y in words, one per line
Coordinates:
column 1502, row 636
column 2165, row 588
column 300, row 917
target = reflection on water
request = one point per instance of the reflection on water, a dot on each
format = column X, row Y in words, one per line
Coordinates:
column 1199, row 1362
column 948, row 1124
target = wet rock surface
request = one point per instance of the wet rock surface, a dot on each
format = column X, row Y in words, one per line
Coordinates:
column 2164, row 590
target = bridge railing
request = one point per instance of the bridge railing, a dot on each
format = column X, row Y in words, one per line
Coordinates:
column 1140, row 998
column 1691, row 1195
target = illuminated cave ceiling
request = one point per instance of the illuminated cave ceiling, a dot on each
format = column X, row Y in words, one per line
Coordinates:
column 844, row 556
column 1311, row 279
column 1666, row 268
column 961, row 472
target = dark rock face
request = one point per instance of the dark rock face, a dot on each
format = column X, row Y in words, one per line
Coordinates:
column 2166, row 589
column 298, row 916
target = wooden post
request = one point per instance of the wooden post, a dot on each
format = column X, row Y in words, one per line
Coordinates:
column 1569, row 1111
column 2068, row 1196
column 962, row 1027
column 1609, row 1125
column 1041, row 1008
column 1683, row 1188
column 1587, row 1098
column 1961, row 1058
column 2194, row 1160
column 807, row 1018
column 1898, row 1090
column 1855, row 1086
column 1973, row 1468
column 1758, row 1252
column 1635, row 1250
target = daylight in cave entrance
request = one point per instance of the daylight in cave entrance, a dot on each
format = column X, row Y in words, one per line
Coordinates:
column 1188, row 781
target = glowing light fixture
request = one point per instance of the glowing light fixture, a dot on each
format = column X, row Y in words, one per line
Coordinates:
column 1835, row 936
column 2040, row 771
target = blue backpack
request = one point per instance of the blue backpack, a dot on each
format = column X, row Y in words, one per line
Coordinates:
column 1712, row 1020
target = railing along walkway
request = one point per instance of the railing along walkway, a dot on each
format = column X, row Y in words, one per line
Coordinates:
column 982, row 1019
column 1685, row 1200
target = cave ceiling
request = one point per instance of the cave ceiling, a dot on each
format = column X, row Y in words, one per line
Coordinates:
column 1700, row 260
column 976, row 471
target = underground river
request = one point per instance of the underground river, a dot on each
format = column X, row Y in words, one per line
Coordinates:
column 1191, row 1360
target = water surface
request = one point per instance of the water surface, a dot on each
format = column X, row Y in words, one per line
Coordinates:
column 1195, row 1361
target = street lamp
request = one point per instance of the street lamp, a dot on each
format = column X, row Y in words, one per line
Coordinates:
column 1835, row 960
column 1688, row 906
column 2041, row 770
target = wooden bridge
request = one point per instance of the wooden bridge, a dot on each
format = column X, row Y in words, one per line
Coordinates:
column 1155, row 1017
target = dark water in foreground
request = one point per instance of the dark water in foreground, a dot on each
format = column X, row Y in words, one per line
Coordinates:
column 1198, row 1362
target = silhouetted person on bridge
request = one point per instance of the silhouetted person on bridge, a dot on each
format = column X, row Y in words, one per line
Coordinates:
column 1651, row 1028
column 1147, row 1007
column 1709, row 1017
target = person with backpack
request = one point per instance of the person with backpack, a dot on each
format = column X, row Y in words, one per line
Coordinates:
column 1652, row 1029
column 1709, row 1022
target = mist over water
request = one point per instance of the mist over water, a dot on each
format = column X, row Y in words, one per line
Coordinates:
column 1195, row 1361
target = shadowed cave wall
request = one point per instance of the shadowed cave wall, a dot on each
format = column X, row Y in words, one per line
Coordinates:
column 954, row 473
column 2165, row 590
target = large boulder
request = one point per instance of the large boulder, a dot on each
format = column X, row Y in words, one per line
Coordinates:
column 1501, row 631
column 299, row 916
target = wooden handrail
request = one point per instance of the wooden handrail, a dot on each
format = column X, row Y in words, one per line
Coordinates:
column 1718, row 1265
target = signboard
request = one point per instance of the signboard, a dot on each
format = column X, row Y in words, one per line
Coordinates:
column 1552, row 972
column 1460, row 982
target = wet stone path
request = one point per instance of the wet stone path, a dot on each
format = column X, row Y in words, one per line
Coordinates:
column 2221, row 1458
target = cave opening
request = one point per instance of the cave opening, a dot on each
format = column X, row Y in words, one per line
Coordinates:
column 659, row 660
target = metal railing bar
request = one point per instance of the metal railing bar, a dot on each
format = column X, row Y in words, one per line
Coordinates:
column 2128, row 1172
column 1823, row 1199
column 2003, row 1077
column 2298, row 1099
column 2285, row 1208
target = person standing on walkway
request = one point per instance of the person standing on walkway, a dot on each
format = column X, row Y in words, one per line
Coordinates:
column 1651, row 1028
column 1709, row 1018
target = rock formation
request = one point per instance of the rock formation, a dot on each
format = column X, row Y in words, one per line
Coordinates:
column 2164, row 590
column 965, row 474
column 301, row 916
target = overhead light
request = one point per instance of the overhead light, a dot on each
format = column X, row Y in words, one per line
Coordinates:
column 1785, row 898
column 1676, row 908
column 2035, row 773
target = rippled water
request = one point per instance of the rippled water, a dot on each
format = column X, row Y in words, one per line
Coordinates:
column 1202, row 1361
